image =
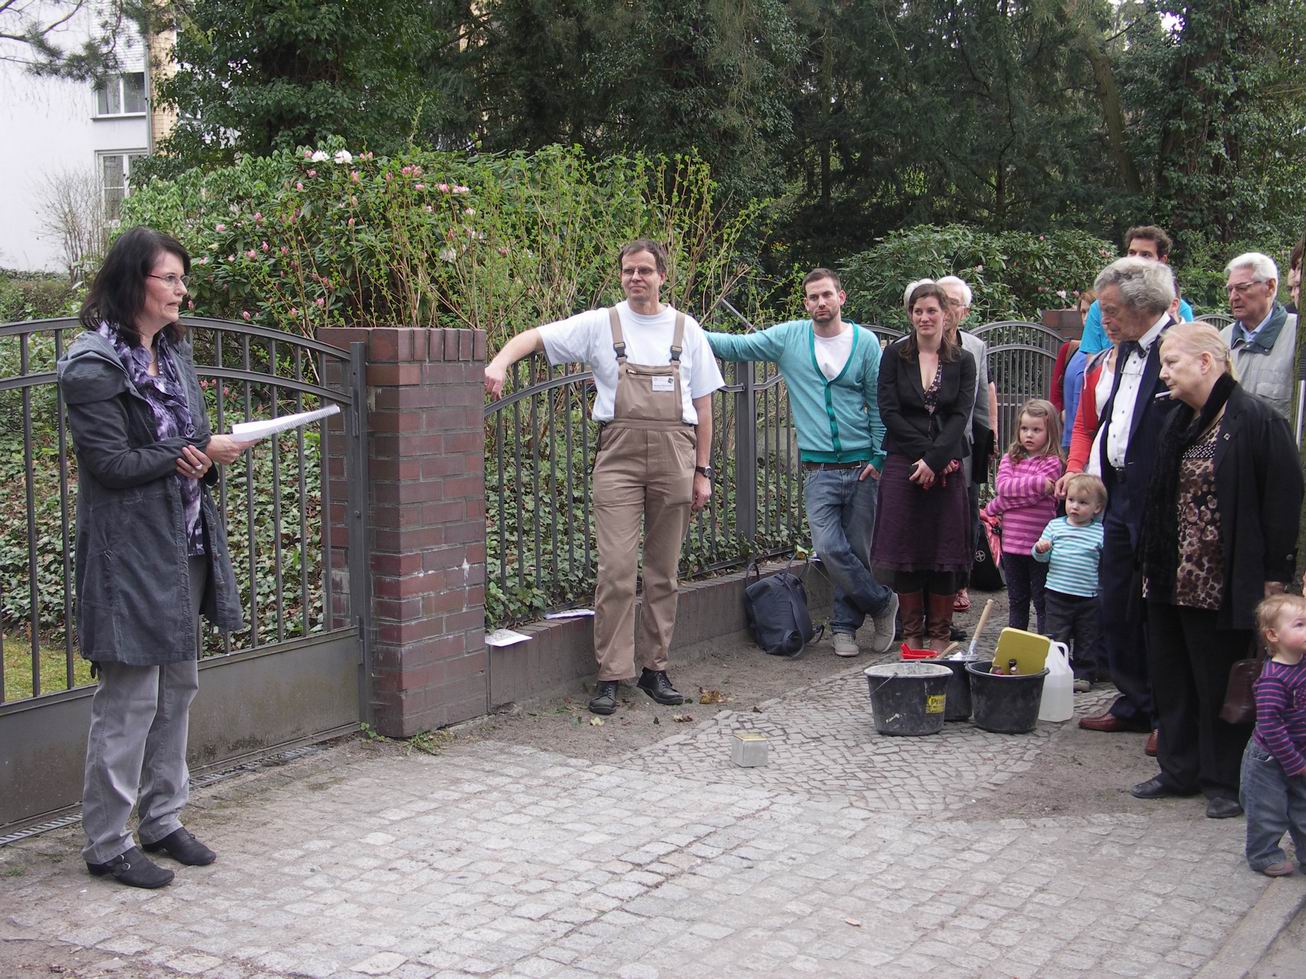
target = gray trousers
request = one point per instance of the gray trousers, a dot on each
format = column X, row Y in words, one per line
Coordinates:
column 136, row 749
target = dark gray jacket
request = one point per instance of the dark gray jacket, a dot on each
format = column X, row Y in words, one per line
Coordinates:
column 132, row 572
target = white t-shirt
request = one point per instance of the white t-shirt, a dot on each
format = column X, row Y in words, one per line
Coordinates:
column 586, row 338
column 833, row 352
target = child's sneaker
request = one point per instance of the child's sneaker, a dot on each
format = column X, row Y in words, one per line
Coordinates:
column 1282, row 869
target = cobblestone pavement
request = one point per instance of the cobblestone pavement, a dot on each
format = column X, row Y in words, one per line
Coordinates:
column 844, row 856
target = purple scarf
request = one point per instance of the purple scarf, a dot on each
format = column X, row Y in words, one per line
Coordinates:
column 166, row 396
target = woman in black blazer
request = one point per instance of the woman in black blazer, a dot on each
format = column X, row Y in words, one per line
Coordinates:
column 1219, row 535
column 922, row 521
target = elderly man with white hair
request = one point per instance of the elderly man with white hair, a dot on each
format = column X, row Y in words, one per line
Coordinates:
column 1263, row 336
column 1135, row 296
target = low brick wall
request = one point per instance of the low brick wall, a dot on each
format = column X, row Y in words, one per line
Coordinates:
column 560, row 653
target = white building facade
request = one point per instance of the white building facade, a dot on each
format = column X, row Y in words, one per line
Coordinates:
column 53, row 131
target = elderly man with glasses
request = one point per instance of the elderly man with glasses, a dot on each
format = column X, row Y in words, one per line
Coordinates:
column 1263, row 336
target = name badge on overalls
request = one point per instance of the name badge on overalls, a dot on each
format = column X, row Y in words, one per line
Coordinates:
column 664, row 383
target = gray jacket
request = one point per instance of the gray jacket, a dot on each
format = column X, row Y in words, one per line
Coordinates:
column 132, row 571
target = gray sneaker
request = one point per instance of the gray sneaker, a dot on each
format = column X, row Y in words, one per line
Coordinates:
column 884, row 622
column 845, row 644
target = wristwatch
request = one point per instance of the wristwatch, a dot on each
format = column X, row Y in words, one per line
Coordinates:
column 707, row 471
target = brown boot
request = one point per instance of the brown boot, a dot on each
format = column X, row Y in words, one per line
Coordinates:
column 939, row 629
column 911, row 609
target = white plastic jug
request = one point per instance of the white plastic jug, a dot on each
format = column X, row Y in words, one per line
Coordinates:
column 1058, row 703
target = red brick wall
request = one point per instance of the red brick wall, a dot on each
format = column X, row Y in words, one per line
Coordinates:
column 426, row 524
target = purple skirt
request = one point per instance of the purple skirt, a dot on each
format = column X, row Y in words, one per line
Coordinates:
column 921, row 530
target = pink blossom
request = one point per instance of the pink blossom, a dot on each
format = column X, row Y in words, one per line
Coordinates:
column 469, row 211
column 320, row 302
column 294, row 311
column 299, row 185
column 442, row 188
column 190, row 303
column 429, row 209
column 417, row 171
column 219, row 228
column 419, row 186
column 353, row 200
column 312, row 173
column 406, row 171
column 460, row 189
column 354, row 176
column 244, row 314
column 389, row 177
column 326, row 282
column 265, row 246
column 503, row 251
column 284, row 250
column 231, row 257
column 308, row 154
column 258, row 217
column 351, row 222
column 251, row 254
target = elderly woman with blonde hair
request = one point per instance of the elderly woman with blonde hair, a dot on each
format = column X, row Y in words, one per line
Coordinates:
column 1220, row 534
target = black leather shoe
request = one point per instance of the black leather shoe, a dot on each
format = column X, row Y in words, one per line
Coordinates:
column 1156, row 787
column 657, row 685
column 134, row 869
column 1222, row 807
column 605, row 697
column 184, row 848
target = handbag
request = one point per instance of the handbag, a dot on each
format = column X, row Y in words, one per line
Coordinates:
column 1239, row 696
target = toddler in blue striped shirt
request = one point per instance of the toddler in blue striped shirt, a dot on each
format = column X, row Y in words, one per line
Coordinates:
column 1071, row 546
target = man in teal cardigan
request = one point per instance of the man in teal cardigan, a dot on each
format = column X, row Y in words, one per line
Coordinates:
column 832, row 369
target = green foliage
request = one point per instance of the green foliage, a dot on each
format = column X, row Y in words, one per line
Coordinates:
column 260, row 75
column 36, row 295
column 1013, row 274
column 306, row 239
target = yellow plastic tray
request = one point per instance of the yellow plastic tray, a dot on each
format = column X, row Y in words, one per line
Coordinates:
column 1028, row 649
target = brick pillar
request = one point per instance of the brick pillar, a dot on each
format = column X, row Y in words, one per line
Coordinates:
column 426, row 516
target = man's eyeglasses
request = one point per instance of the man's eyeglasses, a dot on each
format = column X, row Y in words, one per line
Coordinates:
column 172, row 281
column 1242, row 288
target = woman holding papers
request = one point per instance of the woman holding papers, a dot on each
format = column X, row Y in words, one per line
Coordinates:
column 151, row 551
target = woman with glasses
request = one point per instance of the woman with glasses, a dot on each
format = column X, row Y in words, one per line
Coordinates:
column 151, row 551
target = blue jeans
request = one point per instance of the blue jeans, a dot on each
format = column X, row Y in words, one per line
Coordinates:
column 841, row 515
column 1273, row 803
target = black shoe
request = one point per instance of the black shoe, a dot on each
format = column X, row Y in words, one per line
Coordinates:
column 184, row 848
column 1156, row 787
column 956, row 634
column 134, row 869
column 657, row 685
column 605, row 697
column 1222, row 807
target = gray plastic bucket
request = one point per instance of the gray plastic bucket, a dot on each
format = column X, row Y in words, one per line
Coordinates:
column 958, row 708
column 1005, row 704
column 908, row 699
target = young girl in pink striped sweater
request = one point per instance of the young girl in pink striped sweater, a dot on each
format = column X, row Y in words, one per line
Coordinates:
column 1026, row 501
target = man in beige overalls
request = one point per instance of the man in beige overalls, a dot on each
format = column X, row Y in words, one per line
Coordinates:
column 654, row 375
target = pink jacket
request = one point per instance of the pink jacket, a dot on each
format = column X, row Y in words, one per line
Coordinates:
column 1023, row 501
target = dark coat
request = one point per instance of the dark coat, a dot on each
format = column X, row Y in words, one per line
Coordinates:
column 132, row 569
column 910, row 430
column 1126, row 500
column 1258, row 490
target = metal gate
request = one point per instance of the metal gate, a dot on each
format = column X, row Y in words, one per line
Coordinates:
column 1021, row 359
column 296, row 510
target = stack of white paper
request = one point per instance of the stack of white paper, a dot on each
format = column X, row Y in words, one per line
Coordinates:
column 253, row 431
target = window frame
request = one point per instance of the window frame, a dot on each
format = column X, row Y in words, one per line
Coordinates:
column 115, row 86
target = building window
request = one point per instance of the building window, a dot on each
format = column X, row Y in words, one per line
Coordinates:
column 115, row 179
column 121, row 95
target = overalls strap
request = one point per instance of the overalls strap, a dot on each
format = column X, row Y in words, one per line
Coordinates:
column 618, row 340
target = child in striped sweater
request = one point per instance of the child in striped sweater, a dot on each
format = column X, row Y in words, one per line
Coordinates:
column 1071, row 547
column 1026, row 502
column 1274, row 765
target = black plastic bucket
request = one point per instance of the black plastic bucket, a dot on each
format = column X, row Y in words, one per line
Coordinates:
column 1004, row 704
column 908, row 699
column 958, row 707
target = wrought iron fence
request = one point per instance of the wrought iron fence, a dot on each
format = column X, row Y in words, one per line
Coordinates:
column 540, row 448
column 277, row 501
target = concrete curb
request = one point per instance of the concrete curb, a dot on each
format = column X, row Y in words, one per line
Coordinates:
column 1248, row 943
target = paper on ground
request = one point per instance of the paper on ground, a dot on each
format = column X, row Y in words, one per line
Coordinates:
column 253, row 431
column 505, row 637
column 571, row 613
